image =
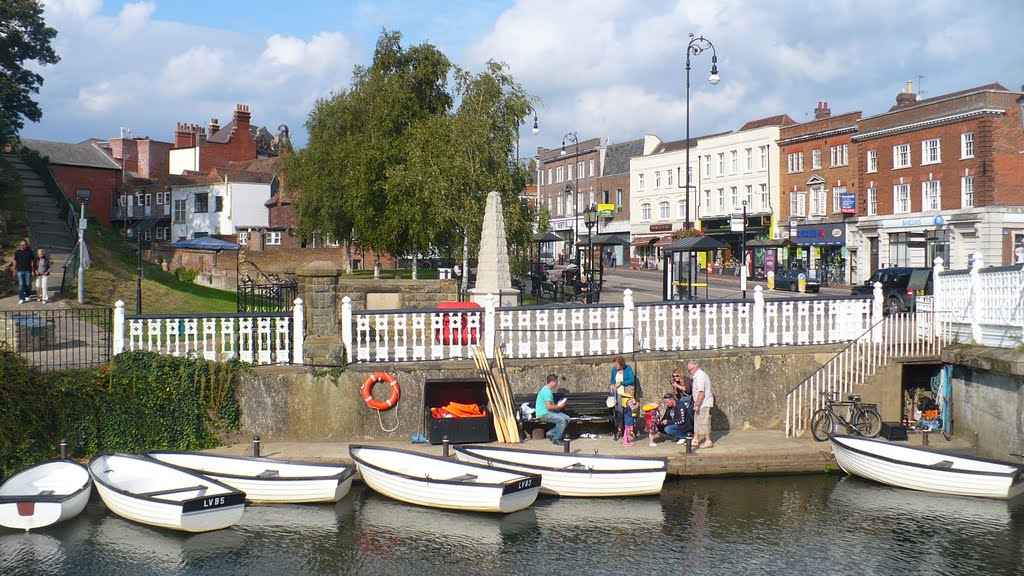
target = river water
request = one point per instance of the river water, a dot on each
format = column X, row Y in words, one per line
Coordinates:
column 772, row 525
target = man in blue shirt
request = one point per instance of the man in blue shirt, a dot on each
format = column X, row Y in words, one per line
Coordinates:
column 548, row 411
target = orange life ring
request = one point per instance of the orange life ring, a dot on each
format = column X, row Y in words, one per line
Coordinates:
column 367, row 391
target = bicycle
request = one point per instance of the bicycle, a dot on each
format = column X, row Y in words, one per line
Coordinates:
column 864, row 419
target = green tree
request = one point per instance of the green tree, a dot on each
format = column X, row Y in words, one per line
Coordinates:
column 24, row 37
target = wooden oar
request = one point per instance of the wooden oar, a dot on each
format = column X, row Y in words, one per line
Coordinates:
column 485, row 372
column 506, row 392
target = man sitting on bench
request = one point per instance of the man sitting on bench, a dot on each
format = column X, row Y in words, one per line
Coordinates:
column 548, row 411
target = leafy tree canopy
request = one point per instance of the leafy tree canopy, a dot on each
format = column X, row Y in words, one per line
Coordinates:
column 24, row 37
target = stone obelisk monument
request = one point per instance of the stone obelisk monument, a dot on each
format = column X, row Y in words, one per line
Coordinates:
column 492, row 273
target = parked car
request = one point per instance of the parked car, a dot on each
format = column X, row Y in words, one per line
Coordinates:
column 789, row 279
column 900, row 286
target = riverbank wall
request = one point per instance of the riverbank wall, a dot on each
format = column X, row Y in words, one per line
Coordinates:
column 988, row 398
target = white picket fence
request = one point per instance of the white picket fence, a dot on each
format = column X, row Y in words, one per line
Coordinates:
column 601, row 329
column 257, row 338
column 982, row 305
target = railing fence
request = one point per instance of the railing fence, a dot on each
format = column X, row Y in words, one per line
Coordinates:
column 58, row 339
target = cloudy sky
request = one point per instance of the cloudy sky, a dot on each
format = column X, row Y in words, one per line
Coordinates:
column 603, row 68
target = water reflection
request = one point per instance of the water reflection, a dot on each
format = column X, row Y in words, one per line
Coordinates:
column 30, row 553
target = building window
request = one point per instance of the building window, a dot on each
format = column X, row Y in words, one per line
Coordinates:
column 707, row 200
column 901, row 156
column 159, row 201
column 797, row 204
column 591, row 168
column 764, row 157
column 721, row 200
column 795, row 162
column 817, row 201
column 668, row 177
column 549, row 176
column 749, row 198
column 967, row 145
column 579, row 170
column 330, row 241
column 663, row 211
column 202, row 203
column 967, row 191
column 901, row 198
column 816, row 159
column 645, row 211
column 179, row 210
column 734, row 161
column 840, row 155
column 735, row 197
column 560, row 212
column 872, row 201
column 764, row 198
column 147, row 235
column 931, row 151
column 750, row 160
column 167, row 201
column 931, row 195
column 159, row 233
column 872, row 160
column 618, row 199
column 657, row 179
column 707, row 165
column 273, row 238
column 218, row 203
column 640, row 181
column 243, row 238
column 560, row 174
column 681, row 210
column 721, row 163
column 837, row 199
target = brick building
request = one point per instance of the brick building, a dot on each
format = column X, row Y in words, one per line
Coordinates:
column 82, row 166
column 818, row 175
column 940, row 177
column 567, row 180
column 202, row 148
column 614, row 190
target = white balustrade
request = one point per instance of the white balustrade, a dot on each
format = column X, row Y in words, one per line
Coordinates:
column 981, row 305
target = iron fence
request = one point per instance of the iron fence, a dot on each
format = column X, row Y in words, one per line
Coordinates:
column 58, row 339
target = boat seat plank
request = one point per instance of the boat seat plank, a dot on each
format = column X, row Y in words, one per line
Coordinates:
column 269, row 474
column 462, row 478
column 46, row 492
column 943, row 464
column 172, row 491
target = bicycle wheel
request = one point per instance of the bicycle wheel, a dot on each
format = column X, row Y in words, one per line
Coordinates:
column 868, row 422
column 821, row 425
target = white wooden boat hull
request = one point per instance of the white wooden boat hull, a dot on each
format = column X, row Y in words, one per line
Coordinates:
column 288, row 482
column 150, row 492
column 44, row 494
column 432, row 481
column 926, row 470
column 576, row 475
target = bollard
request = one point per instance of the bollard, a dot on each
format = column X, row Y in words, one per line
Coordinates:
column 924, row 437
column 255, row 446
column 566, row 441
column 63, row 448
column 689, row 445
column 444, row 446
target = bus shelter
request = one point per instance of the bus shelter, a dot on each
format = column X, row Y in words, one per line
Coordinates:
column 681, row 272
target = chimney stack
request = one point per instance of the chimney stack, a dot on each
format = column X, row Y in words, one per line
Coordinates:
column 907, row 97
column 242, row 118
column 214, row 127
column 182, row 136
column 822, row 111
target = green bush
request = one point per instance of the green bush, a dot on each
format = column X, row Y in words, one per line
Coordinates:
column 186, row 274
column 140, row 401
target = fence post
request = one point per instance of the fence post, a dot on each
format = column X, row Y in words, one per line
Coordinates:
column 489, row 325
column 628, row 334
column 758, row 326
column 937, row 298
column 118, row 327
column 346, row 327
column 298, row 331
column 876, row 313
column 976, row 299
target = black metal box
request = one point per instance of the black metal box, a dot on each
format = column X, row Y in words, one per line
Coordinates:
column 439, row 392
column 894, row 431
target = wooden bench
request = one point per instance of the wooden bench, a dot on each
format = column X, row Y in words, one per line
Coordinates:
column 585, row 409
column 547, row 290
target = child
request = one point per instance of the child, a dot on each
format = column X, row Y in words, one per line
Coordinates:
column 653, row 418
column 629, row 413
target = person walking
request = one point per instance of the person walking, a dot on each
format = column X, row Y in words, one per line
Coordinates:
column 42, row 273
column 703, row 401
column 547, row 410
column 23, row 270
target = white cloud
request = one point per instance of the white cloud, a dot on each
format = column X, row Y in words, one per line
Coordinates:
column 324, row 51
column 194, row 72
column 80, row 9
column 135, row 16
column 99, row 97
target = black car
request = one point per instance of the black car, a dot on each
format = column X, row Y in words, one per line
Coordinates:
column 789, row 279
column 899, row 287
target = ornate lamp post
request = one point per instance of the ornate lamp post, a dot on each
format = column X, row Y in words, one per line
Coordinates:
column 695, row 47
column 590, row 219
column 572, row 139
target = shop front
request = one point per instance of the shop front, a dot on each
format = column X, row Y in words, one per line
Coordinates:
column 727, row 260
column 821, row 250
column 647, row 248
column 563, row 227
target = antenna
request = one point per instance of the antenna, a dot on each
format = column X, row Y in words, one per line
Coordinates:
column 920, row 85
column 126, row 133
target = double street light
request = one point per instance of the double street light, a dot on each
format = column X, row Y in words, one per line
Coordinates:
column 590, row 219
column 575, row 191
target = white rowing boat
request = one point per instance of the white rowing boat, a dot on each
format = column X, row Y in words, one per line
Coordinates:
column 44, row 494
column 151, row 492
column 443, row 483
column 572, row 474
column 267, row 481
column 927, row 470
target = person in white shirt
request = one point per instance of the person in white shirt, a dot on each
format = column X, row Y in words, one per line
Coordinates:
column 703, row 400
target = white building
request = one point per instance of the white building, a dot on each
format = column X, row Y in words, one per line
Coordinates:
column 221, row 207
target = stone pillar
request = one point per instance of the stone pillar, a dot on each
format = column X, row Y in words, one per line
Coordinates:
column 118, row 343
column 318, row 288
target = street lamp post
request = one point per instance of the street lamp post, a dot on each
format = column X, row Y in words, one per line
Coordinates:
column 536, row 130
column 573, row 139
column 695, row 47
column 590, row 218
column 743, row 253
column 83, row 197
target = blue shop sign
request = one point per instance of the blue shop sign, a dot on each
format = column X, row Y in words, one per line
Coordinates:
column 820, row 235
column 848, row 202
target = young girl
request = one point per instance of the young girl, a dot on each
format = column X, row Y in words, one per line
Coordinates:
column 653, row 418
column 629, row 412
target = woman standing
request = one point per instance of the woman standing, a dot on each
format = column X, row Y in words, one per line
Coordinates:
column 42, row 274
column 622, row 376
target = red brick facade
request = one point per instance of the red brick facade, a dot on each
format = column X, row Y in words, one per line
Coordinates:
column 219, row 145
column 102, row 184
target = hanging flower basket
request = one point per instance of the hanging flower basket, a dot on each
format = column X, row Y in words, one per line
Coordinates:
column 691, row 233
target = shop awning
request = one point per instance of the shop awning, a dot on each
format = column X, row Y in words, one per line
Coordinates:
column 546, row 237
column 664, row 241
column 642, row 240
column 771, row 243
column 695, row 244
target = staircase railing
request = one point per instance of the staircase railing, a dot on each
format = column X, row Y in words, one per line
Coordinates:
column 895, row 336
column 41, row 166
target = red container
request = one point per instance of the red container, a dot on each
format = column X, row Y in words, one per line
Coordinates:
column 461, row 334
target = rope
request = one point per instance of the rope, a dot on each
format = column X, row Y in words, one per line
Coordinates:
column 380, row 420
